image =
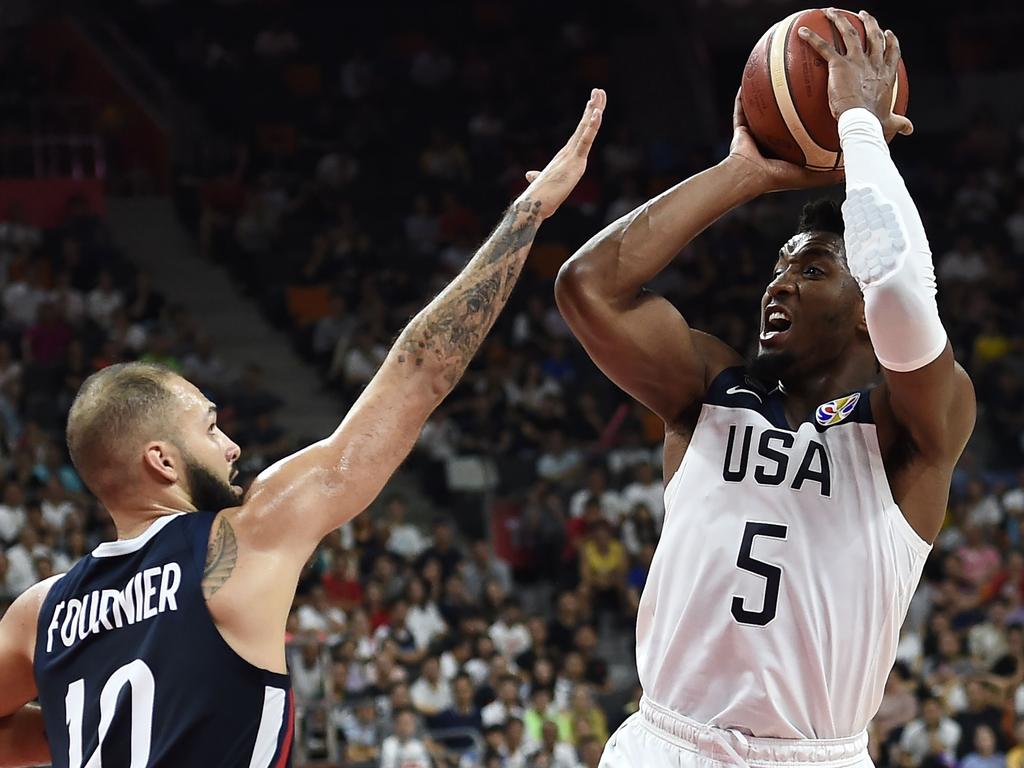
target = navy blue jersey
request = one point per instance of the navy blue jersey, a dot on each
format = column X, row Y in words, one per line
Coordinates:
column 132, row 672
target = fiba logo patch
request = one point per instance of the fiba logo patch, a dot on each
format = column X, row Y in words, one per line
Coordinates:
column 835, row 411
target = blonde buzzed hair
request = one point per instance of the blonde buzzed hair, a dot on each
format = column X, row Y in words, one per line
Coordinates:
column 115, row 410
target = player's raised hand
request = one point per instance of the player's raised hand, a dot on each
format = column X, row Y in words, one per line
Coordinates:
column 551, row 186
column 771, row 175
column 861, row 77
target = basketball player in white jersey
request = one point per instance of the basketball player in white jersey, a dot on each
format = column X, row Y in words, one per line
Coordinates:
column 146, row 442
column 804, row 490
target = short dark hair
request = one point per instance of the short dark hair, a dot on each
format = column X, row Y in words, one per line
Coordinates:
column 115, row 408
column 823, row 215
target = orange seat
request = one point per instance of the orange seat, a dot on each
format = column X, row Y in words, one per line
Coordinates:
column 547, row 259
column 308, row 303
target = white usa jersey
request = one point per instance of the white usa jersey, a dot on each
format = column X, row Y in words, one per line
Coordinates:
column 784, row 571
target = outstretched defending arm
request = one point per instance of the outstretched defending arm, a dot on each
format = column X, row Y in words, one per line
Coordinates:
column 639, row 339
column 292, row 505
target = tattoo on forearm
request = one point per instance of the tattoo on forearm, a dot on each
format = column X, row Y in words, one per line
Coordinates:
column 221, row 556
column 452, row 327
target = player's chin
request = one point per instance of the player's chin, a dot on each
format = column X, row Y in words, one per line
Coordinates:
column 770, row 340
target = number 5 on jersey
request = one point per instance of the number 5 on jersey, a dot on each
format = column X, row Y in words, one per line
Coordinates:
column 772, row 575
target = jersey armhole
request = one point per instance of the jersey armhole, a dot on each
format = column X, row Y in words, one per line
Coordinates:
column 881, row 480
column 197, row 536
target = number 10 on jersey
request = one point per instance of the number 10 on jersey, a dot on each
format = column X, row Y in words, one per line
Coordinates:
column 139, row 678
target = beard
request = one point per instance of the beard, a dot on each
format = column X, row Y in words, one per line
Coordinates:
column 209, row 493
column 770, row 367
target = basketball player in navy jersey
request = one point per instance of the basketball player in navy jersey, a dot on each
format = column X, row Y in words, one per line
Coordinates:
column 803, row 491
column 165, row 648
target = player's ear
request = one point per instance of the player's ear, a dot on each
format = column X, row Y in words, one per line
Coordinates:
column 160, row 459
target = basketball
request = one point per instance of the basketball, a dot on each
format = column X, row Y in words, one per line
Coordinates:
column 785, row 92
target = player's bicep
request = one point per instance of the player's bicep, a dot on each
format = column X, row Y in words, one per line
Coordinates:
column 302, row 498
column 935, row 404
column 647, row 349
column 17, row 640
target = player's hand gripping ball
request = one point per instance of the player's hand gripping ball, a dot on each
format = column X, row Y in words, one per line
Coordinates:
column 785, row 91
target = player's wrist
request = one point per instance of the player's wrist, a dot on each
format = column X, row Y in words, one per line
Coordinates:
column 745, row 177
column 844, row 105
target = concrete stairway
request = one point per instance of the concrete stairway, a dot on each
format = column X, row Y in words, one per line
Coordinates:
column 148, row 230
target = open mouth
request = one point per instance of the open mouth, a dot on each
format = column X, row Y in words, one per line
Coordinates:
column 777, row 322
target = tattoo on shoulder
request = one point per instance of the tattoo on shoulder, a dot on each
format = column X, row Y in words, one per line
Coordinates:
column 221, row 556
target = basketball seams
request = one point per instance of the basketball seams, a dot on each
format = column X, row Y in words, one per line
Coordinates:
column 816, row 157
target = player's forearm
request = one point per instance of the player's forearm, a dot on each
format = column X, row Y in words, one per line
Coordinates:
column 618, row 261
column 887, row 250
column 23, row 739
column 440, row 341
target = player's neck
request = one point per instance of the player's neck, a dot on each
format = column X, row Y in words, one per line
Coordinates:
column 133, row 517
column 850, row 372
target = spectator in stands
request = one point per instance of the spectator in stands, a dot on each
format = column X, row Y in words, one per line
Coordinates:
column 582, row 709
column 431, row 693
column 319, row 619
column 307, row 672
column 932, row 735
column 541, row 711
column 610, row 502
column 104, row 300
column 1015, row 757
column 12, row 513
column 646, row 489
column 603, row 570
column 403, row 749
column 984, row 754
column 559, row 463
column 980, row 712
column 21, row 567
column 559, row 750
column 519, row 747
column 898, row 707
column 483, row 565
column 423, row 618
column 509, row 633
column 462, row 712
column 590, row 750
column 341, row 584
column 595, row 667
column 404, row 539
column 506, row 704
column 358, row 730
column 442, row 549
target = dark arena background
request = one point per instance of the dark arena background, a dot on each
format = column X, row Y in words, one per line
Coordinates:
column 259, row 194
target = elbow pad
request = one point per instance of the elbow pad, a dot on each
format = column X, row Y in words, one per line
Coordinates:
column 887, row 250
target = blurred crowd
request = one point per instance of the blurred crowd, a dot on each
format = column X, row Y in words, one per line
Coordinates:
column 359, row 179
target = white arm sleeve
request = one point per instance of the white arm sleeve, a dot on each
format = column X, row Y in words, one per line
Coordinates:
column 887, row 250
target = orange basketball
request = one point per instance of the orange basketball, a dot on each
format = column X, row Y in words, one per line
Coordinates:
column 785, row 96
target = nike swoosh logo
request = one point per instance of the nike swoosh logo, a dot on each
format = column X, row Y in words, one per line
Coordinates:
column 738, row 390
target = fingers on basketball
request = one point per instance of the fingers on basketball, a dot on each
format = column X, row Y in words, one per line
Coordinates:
column 739, row 117
column 874, row 36
column 850, row 37
column 821, row 46
column 892, row 49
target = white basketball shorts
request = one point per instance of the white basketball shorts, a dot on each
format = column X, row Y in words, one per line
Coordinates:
column 655, row 737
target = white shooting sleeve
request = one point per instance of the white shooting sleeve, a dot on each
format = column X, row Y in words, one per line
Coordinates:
column 887, row 250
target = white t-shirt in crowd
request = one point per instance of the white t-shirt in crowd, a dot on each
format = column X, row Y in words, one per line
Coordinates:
column 395, row 753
